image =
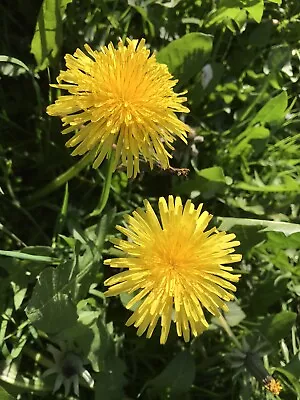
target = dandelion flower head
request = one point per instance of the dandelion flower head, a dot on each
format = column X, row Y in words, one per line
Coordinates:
column 273, row 385
column 68, row 367
column 120, row 98
column 175, row 268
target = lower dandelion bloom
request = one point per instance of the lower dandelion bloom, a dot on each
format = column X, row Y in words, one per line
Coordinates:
column 174, row 268
column 120, row 98
column 273, row 385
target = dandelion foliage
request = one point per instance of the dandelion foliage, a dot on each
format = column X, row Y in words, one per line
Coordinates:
column 176, row 103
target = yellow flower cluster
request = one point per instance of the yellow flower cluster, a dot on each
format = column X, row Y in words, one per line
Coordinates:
column 122, row 101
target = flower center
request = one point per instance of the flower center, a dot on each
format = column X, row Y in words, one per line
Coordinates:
column 71, row 365
column 172, row 254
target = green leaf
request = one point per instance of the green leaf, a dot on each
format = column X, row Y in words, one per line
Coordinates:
column 100, row 343
column 208, row 182
column 279, row 56
column 273, row 112
column 11, row 66
column 197, row 93
column 4, row 395
column 255, row 9
column 18, row 383
column 289, row 185
column 25, row 256
column 52, row 305
column 294, row 366
column 260, row 36
column 278, row 326
column 90, row 334
column 186, row 56
column 110, row 382
column 51, row 308
column 19, row 292
column 48, row 35
column 214, row 174
column 287, row 228
column 242, row 143
column 266, row 294
column 61, row 218
column 168, row 4
column 291, row 378
column 234, row 316
column 228, row 11
column 177, row 377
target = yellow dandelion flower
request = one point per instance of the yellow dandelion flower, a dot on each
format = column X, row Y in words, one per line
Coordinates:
column 273, row 385
column 174, row 268
column 120, row 98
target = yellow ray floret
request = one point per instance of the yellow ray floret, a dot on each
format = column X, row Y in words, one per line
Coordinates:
column 174, row 268
column 120, row 99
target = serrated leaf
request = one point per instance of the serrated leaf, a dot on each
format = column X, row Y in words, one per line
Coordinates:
column 52, row 305
column 51, row 308
column 48, row 35
column 186, row 56
column 278, row 326
column 90, row 334
column 177, row 377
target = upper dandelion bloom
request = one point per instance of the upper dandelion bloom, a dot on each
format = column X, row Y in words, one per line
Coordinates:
column 120, row 98
column 175, row 268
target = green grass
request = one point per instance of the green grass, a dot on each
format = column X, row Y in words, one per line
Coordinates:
column 243, row 157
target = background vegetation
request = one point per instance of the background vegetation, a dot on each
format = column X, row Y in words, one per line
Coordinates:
column 239, row 61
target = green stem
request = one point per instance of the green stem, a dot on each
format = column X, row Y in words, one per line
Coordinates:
column 106, row 187
column 63, row 178
column 38, row 358
column 229, row 332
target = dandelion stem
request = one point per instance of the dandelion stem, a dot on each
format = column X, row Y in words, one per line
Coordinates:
column 106, row 187
column 228, row 330
column 63, row 178
column 38, row 358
